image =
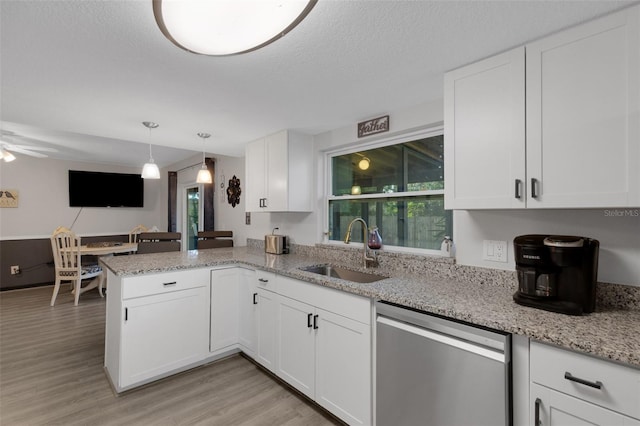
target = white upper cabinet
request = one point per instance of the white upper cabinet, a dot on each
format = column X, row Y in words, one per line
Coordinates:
column 279, row 170
column 583, row 125
column 484, row 133
column 581, row 146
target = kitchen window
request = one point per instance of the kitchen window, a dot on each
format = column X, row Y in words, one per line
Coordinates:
column 396, row 186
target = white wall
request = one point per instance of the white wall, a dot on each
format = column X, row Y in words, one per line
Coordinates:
column 619, row 236
column 228, row 218
column 44, row 201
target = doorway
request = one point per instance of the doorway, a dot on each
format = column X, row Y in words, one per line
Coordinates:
column 192, row 214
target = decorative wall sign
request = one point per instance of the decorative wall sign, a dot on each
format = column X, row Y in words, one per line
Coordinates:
column 234, row 191
column 8, row 198
column 373, row 126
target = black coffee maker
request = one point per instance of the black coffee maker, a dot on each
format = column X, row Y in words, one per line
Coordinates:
column 556, row 272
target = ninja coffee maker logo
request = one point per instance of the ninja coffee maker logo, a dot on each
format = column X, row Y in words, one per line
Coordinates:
column 530, row 256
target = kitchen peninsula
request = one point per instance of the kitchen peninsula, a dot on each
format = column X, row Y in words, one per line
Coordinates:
column 453, row 291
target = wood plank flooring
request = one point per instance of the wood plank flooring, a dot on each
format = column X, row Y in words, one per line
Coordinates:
column 51, row 373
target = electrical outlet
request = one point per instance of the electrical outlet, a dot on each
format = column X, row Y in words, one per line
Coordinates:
column 495, row 251
column 15, row 270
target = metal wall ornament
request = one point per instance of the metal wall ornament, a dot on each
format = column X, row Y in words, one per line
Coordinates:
column 234, row 191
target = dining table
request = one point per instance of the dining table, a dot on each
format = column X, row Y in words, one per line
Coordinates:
column 106, row 248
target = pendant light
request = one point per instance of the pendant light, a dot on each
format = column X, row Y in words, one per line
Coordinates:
column 150, row 170
column 204, row 176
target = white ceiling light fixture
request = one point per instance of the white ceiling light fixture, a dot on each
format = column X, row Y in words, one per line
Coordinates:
column 228, row 27
column 7, row 156
column 150, row 170
column 204, row 176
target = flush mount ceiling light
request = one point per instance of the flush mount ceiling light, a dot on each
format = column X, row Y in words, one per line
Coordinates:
column 204, row 176
column 150, row 170
column 228, row 27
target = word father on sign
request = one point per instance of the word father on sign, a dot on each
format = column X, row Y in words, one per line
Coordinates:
column 373, row 126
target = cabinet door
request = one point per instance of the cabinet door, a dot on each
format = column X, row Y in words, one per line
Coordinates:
column 267, row 328
column 224, row 308
column 248, row 307
column 485, row 133
column 277, row 172
column 557, row 409
column 343, row 367
column 583, row 106
column 163, row 333
column 255, row 185
column 296, row 344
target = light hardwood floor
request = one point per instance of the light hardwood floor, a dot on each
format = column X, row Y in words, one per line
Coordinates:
column 51, row 372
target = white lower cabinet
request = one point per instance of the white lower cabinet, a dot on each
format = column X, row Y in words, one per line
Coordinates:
column 267, row 314
column 343, row 367
column 315, row 338
column 157, row 324
column 553, row 408
column 323, row 352
column 297, row 344
column 568, row 388
column 225, row 296
column 247, row 308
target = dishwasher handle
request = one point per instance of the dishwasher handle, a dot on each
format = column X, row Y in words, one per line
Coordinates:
column 445, row 339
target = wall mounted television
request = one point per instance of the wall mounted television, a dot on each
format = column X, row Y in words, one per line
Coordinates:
column 99, row 189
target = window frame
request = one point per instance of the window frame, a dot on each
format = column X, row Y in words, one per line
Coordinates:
column 362, row 146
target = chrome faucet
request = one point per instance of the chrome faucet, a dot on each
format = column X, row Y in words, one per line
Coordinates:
column 347, row 238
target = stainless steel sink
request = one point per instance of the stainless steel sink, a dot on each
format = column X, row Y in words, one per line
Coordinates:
column 344, row 274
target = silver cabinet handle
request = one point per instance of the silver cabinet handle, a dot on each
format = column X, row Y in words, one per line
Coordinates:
column 536, row 420
column 534, row 182
column 597, row 384
column 517, row 189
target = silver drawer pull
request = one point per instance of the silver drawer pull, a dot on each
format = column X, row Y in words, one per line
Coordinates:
column 569, row 376
column 262, row 280
column 171, row 283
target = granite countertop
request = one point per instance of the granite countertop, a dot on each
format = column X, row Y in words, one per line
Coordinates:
column 608, row 333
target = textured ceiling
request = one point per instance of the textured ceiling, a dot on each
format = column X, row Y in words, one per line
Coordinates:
column 81, row 76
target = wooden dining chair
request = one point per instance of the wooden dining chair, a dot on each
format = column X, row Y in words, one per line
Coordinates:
column 135, row 233
column 214, row 239
column 65, row 246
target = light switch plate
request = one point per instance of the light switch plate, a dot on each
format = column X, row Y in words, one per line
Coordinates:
column 495, row 251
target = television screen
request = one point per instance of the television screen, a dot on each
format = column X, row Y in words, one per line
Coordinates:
column 98, row 189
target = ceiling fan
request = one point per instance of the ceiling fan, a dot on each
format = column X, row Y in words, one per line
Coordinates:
column 8, row 148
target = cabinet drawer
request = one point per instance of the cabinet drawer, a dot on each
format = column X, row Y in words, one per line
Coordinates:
column 559, row 369
column 266, row 280
column 146, row 285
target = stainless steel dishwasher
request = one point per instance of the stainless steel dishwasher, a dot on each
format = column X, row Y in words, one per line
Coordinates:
column 435, row 371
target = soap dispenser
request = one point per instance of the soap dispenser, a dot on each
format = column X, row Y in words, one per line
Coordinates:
column 446, row 248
